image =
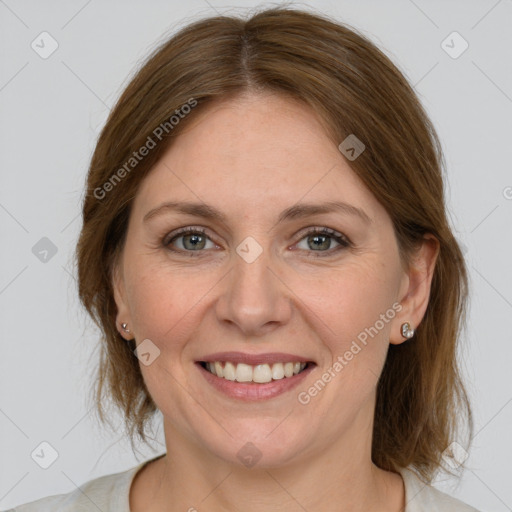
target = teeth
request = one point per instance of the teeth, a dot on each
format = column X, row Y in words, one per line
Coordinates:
column 229, row 371
column 260, row 373
column 243, row 372
column 218, row 369
column 288, row 369
column 277, row 371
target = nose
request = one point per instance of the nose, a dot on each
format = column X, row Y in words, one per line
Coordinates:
column 255, row 299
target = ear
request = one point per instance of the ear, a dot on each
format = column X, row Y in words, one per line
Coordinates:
column 415, row 288
column 123, row 311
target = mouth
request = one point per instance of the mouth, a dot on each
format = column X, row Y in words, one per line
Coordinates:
column 250, row 377
column 257, row 374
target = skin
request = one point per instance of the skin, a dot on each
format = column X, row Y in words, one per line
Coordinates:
column 252, row 157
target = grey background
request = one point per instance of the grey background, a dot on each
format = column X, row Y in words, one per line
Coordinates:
column 51, row 110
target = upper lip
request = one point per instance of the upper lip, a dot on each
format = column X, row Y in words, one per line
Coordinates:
column 253, row 359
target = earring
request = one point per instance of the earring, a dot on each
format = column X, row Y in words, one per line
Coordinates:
column 407, row 331
column 125, row 327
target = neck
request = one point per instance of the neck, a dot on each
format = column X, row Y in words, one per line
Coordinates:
column 341, row 478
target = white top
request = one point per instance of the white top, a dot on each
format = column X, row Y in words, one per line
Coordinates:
column 110, row 493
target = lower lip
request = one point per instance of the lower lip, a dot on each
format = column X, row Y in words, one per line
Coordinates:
column 251, row 391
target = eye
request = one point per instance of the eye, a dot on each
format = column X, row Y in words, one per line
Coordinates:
column 192, row 240
column 321, row 238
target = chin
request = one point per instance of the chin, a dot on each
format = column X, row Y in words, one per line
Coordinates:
column 261, row 444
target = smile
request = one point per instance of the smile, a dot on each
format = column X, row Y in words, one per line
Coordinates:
column 254, row 377
column 260, row 373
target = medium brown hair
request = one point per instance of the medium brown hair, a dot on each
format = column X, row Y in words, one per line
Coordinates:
column 355, row 89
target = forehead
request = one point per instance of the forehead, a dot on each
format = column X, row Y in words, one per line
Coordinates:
column 251, row 153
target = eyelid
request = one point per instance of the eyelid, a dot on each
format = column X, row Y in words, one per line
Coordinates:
column 341, row 239
column 176, row 233
column 304, row 231
column 322, row 230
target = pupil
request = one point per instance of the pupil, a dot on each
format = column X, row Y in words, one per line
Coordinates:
column 316, row 238
column 195, row 240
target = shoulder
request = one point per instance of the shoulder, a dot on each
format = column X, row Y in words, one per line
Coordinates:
column 421, row 497
column 109, row 492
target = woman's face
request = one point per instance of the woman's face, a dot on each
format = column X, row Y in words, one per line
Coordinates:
column 260, row 287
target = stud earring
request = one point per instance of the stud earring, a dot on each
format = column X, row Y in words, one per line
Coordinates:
column 125, row 327
column 407, row 331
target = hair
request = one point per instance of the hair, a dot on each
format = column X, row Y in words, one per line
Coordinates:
column 355, row 89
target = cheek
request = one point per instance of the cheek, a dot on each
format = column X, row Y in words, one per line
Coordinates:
column 352, row 301
column 168, row 305
column 158, row 298
column 355, row 321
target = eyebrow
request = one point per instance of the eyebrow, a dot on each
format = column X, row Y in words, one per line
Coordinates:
column 297, row 211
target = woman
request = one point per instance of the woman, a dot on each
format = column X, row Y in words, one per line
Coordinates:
column 266, row 251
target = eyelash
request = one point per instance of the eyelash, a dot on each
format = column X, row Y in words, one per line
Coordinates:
column 338, row 237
